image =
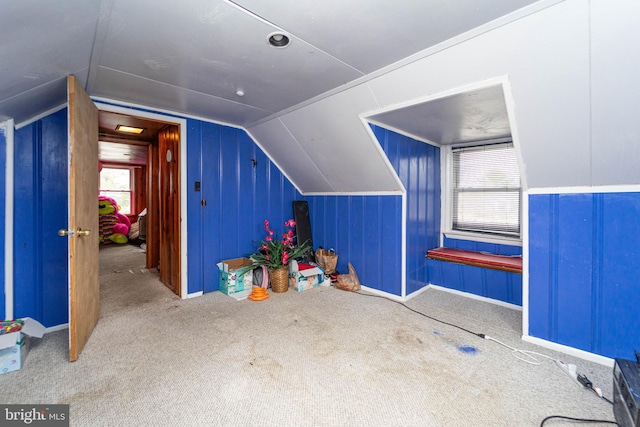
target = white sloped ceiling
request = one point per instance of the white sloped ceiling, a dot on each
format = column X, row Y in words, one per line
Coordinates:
column 364, row 58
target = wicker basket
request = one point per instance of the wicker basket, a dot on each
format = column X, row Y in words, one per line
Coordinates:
column 279, row 279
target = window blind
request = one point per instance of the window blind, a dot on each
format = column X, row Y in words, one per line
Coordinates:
column 486, row 190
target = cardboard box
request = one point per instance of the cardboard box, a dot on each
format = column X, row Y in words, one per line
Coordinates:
column 303, row 276
column 12, row 358
column 14, row 346
column 230, row 281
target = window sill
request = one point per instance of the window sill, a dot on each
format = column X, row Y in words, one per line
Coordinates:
column 511, row 264
column 477, row 237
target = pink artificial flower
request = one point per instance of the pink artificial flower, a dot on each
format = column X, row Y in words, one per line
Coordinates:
column 271, row 232
column 290, row 234
column 285, row 258
column 266, row 224
column 290, row 223
column 264, row 247
column 268, row 238
column 267, row 256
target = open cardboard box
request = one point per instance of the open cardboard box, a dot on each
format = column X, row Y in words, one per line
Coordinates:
column 232, row 283
column 303, row 276
column 14, row 346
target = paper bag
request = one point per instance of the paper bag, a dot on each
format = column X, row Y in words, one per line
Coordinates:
column 327, row 259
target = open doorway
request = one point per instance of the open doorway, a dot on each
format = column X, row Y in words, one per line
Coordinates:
column 140, row 176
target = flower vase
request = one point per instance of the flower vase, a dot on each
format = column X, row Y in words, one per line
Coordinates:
column 279, row 278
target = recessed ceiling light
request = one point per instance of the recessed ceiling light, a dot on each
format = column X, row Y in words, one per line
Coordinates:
column 278, row 39
column 240, row 92
column 129, row 129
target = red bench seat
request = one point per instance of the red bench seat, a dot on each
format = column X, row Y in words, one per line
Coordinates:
column 512, row 264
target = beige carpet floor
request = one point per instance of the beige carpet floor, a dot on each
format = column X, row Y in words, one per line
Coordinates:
column 322, row 357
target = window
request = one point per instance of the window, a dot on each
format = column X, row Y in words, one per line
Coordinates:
column 116, row 183
column 486, row 190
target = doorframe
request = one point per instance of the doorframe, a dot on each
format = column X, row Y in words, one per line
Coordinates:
column 7, row 128
column 130, row 110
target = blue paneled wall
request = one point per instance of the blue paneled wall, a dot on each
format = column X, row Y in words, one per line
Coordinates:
column 242, row 188
column 3, row 165
column 497, row 285
column 584, row 249
column 40, row 210
column 367, row 230
column 584, row 259
column 492, row 248
column 418, row 167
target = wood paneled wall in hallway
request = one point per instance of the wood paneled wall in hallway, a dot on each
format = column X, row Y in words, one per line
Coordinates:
column 169, row 206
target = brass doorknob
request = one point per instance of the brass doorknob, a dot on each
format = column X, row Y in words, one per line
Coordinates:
column 64, row 232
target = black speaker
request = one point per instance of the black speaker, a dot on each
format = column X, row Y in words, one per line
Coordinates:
column 303, row 227
column 626, row 384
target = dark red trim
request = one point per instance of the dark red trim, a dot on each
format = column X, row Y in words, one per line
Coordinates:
column 512, row 264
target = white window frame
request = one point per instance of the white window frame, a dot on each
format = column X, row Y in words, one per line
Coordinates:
column 446, row 167
column 131, row 190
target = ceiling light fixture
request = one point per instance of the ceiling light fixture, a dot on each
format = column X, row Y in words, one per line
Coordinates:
column 240, row 92
column 278, row 39
column 129, row 129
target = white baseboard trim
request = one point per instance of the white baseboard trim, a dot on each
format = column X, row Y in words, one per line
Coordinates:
column 474, row 296
column 571, row 351
column 195, row 294
column 56, row 328
column 416, row 293
column 393, row 297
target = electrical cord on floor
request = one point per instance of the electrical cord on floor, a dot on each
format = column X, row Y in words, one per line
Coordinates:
column 516, row 352
column 582, row 379
column 526, row 356
column 586, row 382
column 422, row 314
column 581, row 420
column 522, row 355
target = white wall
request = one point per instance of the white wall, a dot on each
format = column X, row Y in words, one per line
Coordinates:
column 561, row 65
column 545, row 57
column 329, row 150
column 615, row 91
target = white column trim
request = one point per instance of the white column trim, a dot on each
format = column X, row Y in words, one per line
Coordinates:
column 8, row 129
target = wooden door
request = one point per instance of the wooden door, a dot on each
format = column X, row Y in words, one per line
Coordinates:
column 84, row 289
column 169, row 207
